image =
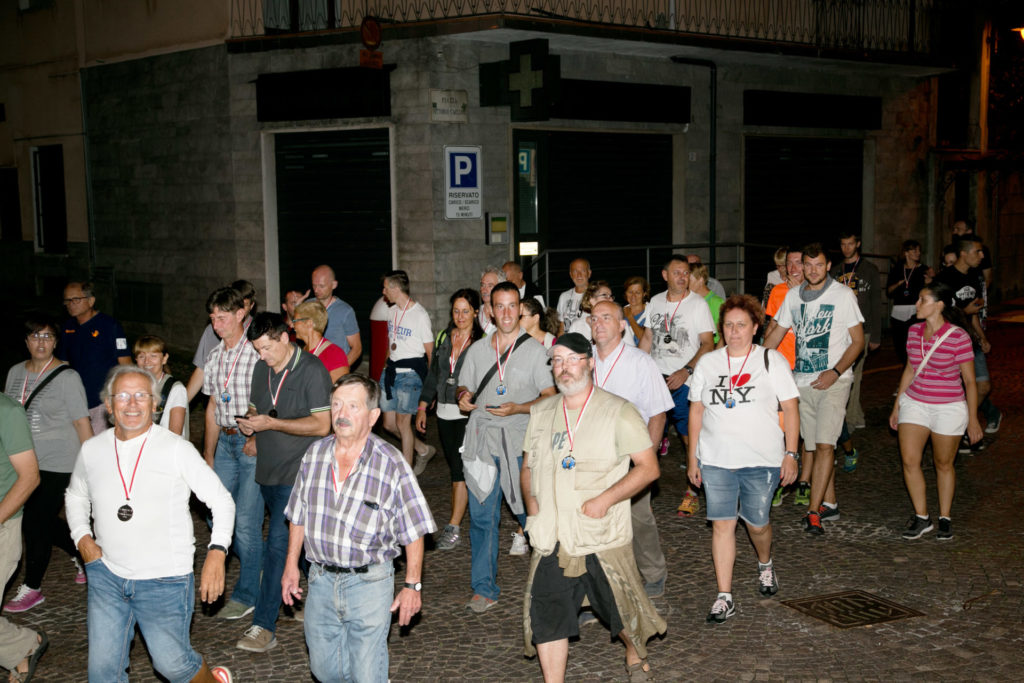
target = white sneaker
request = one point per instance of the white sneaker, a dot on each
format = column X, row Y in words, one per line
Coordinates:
column 519, row 545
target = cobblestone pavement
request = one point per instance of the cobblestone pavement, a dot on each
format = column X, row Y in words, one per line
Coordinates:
column 969, row 589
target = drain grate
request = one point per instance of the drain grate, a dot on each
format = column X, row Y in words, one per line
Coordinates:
column 850, row 609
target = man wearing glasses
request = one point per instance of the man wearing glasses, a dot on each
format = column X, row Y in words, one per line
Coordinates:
column 577, row 483
column 134, row 481
column 92, row 343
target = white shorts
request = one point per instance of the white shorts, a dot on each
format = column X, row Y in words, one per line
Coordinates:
column 947, row 419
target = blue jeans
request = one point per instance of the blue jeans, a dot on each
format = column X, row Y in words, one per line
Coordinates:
column 347, row 622
column 484, row 524
column 237, row 471
column 680, row 413
column 163, row 609
column 274, row 553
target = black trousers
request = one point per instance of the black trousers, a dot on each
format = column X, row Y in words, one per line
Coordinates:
column 42, row 527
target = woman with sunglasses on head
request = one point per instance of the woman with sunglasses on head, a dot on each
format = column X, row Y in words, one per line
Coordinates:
column 937, row 400
column 171, row 412
column 54, row 400
column 440, row 384
column 907, row 278
column 539, row 323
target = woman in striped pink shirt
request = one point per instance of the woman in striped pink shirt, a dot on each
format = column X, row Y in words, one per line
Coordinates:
column 932, row 401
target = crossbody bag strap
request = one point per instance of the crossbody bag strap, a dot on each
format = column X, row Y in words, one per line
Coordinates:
column 494, row 368
column 39, row 387
column 927, row 356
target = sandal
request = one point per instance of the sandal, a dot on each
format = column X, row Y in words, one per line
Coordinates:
column 637, row 673
column 33, row 660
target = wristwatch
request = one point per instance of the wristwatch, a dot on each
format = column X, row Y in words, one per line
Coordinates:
column 688, row 368
column 414, row 586
column 794, row 455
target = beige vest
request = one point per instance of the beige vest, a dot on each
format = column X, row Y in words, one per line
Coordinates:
column 560, row 493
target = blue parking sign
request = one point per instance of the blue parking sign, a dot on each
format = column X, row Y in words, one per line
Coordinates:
column 463, row 194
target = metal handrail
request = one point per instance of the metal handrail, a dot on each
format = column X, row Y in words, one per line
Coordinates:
column 903, row 26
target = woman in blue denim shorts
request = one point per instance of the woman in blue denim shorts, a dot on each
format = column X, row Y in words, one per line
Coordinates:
column 739, row 448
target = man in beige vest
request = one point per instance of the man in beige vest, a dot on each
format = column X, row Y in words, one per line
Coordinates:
column 577, row 483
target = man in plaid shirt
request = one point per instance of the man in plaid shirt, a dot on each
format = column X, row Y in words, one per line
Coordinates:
column 227, row 379
column 355, row 501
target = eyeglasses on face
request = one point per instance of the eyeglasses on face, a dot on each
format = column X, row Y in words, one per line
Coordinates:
column 74, row 299
column 124, row 396
column 42, row 336
column 571, row 360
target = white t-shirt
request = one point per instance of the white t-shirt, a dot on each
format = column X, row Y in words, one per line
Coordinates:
column 683, row 321
column 413, row 332
column 822, row 329
column 748, row 434
column 569, row 307
column 177, row 398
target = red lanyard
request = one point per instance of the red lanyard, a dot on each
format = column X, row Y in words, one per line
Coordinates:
column 275, row 394
column 497, row 360
column 571, row 431
column 398, row 321
column 668, row 321
column 128, row 488
column 848, row 277
column 453, row 359
column 235, row 361
column 601, row 384
column 334, row 476
column 24, row 387
column 906, row 278
column 728, row 362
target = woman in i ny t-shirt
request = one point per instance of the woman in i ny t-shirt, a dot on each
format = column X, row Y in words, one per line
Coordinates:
column 933, row 402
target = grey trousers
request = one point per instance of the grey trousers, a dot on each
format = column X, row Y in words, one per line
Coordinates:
column 16, row 642
column 650, row 560
column 854, row 412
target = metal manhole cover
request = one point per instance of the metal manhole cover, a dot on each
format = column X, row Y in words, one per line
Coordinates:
column 849, row 609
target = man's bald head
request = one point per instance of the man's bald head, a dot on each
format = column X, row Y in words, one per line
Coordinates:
column 324, row 283
column 513, row 273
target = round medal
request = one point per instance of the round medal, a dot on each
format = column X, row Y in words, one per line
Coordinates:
column 568, row 462
column 273, row 412
column 730, row 402
column 125, row 512
column 668, row 339
column 501, row 389
column 451, row 381
column 225, row 397
column 394, row 346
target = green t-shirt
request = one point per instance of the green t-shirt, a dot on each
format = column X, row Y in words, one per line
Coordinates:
column 15, row 437
column 714, row 303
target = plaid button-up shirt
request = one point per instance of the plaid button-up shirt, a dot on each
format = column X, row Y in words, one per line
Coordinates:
column 378, row 507
column 222, row 368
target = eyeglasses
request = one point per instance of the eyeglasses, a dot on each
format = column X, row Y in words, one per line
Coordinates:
column 572, row 360
column 600, row 295
column 75, row 299
column 42, row 336
column 299, row 320
column 124, row 396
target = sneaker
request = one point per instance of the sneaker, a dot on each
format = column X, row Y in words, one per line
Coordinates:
column 965, row 446
column 519, row 544
column 850, row 461
column 780, row 493
column 689, row 507
column 235, row 610
column 480, row 604
column 812, row 524
column 422, row 459
column 945, row 532
column 257, row 639
column 803, row 494
column 663, row 448
column 449, row 538
column 655, row 589
column 222, row 674
column 828, row 514
column 767, row 581
column 917, row 527
column 721, row 610
column 586, row 617
column 25, row 599
column 992, row 428
column 79, row 571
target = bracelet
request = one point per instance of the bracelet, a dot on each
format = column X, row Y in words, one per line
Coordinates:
column 461, row 394
column 421, row 410
column 838, row 374
column 214, row 546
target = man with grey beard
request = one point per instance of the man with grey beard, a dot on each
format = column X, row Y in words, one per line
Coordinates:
column 577, row 483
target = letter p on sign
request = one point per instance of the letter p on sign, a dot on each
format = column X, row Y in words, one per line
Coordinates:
column 463, row 170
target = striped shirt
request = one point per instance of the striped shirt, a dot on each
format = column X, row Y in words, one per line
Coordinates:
column 939, row 381
column 229, row 372
column 377, row 507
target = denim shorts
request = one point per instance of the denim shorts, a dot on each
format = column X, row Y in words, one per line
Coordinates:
column 405, row 395
column 980, row 367
column 749, row 489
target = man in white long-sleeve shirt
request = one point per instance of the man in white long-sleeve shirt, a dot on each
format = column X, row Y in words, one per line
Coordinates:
column 135, row 481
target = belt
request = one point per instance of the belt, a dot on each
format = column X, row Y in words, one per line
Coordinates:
column 345, row 570
column 230, row 431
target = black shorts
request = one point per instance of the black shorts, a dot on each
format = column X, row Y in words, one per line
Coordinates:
column 555, row 600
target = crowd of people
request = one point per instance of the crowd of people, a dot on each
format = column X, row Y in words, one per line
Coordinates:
column 561, row 413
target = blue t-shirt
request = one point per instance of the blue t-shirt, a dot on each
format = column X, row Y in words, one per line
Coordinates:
column 92, row 348
column 341, row 324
